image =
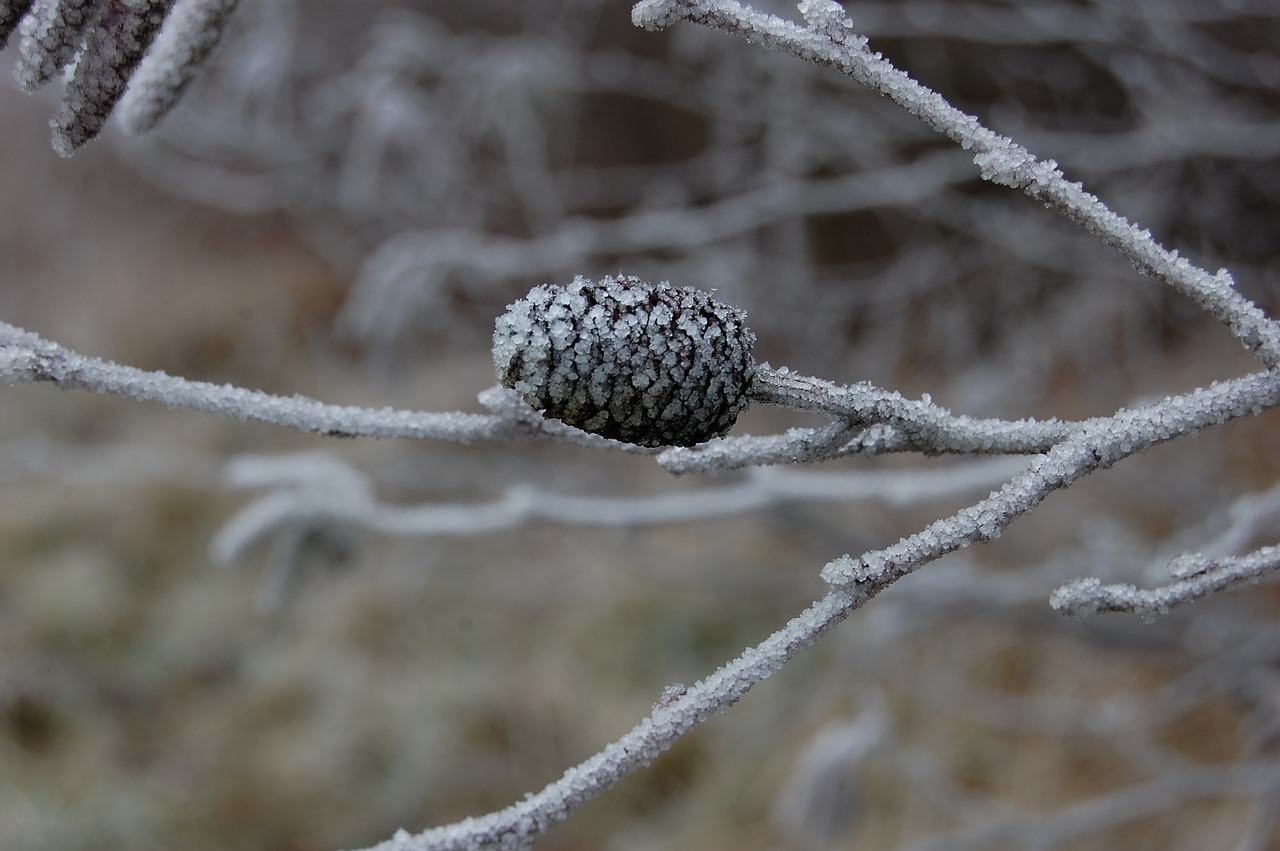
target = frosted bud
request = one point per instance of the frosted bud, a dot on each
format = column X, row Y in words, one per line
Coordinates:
column 642, row 363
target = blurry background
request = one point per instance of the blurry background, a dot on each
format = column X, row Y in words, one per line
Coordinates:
column 339, row 208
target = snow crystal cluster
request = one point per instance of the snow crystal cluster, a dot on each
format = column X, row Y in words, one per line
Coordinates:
column 642, row 363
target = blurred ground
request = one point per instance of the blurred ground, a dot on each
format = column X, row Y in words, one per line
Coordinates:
column 148, row 701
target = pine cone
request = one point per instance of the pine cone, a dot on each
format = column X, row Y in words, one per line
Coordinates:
column 642, row 363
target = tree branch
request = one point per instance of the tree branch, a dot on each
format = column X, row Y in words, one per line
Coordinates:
column 1199, row 577
column 830, row 41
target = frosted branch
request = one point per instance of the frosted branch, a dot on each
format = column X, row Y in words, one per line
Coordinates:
column 795, row 446
column 317, row 490
column 831, row 42
column 1096, row 444
column 1197, row 577
column 920, row 425
column 27, row 358
column 392, row 163
column 868, row 421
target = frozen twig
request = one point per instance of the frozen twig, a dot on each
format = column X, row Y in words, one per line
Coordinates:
column 1096, row 444
column 518, row 825
column 1196, row 577
column 318, row 490
column 795, row 446
column 830, row 41
column 924, row 426
column 27, row 358
column 868, row 420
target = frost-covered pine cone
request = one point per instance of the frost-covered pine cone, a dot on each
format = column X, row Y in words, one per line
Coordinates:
column 104, row 42
column 642, row 363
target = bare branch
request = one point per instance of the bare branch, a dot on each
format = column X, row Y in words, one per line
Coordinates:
column 868, row 421
column 830, row 41
column 1199, row 577
column 1097, row 444
column 27, row 358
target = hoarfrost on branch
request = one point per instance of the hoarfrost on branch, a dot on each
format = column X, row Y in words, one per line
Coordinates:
column 862, row 418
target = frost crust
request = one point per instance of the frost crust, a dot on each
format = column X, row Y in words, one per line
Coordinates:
column 647, row 364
